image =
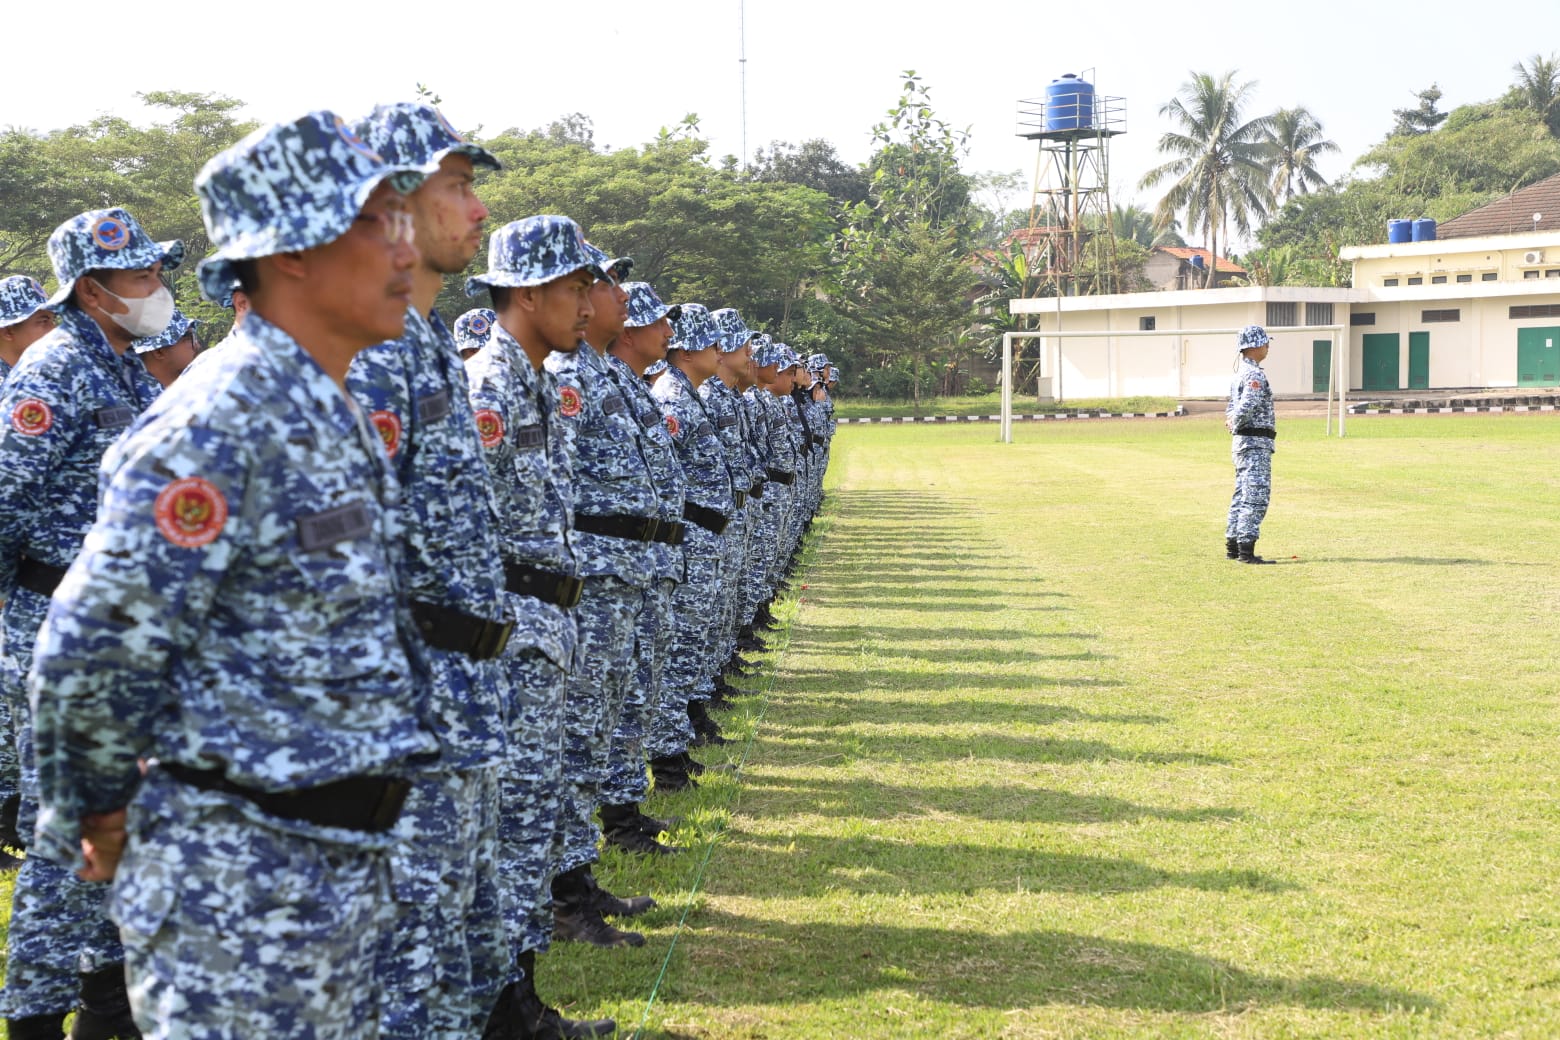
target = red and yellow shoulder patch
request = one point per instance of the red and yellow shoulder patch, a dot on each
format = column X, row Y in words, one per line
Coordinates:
column 388, row 425
column 490, row 427
column 190, row 512
column 569, row 401
column 673, row 426
column 32, row 417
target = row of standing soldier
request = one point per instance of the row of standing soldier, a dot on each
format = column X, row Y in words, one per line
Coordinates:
column 331, row 656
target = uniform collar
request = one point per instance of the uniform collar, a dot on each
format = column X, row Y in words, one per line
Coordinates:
column 302, row 379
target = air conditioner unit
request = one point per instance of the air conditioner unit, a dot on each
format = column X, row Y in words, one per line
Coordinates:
column 1533, row 256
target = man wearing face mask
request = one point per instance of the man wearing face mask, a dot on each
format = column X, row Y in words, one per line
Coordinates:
column 66, row 401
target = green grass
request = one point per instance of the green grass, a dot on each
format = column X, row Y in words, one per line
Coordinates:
column 991, row 404
column 1038, row 762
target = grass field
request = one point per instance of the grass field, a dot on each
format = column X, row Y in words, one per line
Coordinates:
column 1038, row 762
column 991, row 404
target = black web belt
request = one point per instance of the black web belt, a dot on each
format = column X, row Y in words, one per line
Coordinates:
column 454, row 631
column 709, row 519
column 1256, row 431
column 757, row 490
column 780, row 476
column 633, row 528
column 548, row 586
column 37, row 576
column 358, row 803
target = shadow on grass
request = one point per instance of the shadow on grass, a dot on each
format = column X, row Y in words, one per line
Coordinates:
column 948, row 658
column 819, row 961
column 960, row 710
column 817, row 634
column 1423, row 561
column 808, row 680
column 830, row 741
column 831, row 597
column 866, row 799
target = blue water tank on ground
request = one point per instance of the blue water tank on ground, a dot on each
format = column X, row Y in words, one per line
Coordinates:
column 1400, row 231
column 1069, row 104
column 1424, row 230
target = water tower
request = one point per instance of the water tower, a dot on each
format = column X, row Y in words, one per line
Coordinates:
column 1070, row 241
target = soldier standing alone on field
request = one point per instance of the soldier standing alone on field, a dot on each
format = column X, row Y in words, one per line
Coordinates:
column 1249, row 417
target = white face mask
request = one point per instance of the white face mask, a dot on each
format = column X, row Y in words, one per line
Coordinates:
column 148, row 315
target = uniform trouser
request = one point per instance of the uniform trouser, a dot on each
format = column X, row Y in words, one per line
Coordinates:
column 692, row 621
column 447, row 957
column 756, row 588
column 10, row 770
column 1253, row 485
column 530, row 832
column 606, row 615
column 627, row 782
column 236, row 929
column 59, row 925
column 778, row 554
column 733, row 563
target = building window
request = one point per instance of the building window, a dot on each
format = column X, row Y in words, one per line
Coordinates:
column 1433, row 316
column 1146, row 324
column 1530, row 274
column 1282, row 314
column 1463, row 279
column 1318, row 314
column 1438, row 279
column 1537, row 310
column 1487, row 276
column 1552, row 273
column 1416, row 281
column 1389, row 282
column 1363, row 318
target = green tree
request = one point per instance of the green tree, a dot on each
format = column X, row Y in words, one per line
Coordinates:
column 1220, row 165
column 1537, row 89
column 1294, row 142
column 1422, row 118
column 1129, row 223
column 814, row 164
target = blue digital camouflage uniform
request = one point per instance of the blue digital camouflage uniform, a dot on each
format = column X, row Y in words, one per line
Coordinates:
column 723, row 402
column 628, row 781
column 611, row 487
column 473, row 330
column 67, row 400
column 1250, row 408
column 772, row 499
column 781, row 469
column 235, row 619
column 448, row 958
column 690, row 667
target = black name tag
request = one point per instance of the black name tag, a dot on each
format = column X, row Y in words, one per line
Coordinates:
column 613, row 405
column 725, row 422
column 433, row 407
column 341, row 524
column 113, row 418
column 704, row 429
column 532, row 436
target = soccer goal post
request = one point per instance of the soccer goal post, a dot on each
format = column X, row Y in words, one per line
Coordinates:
column 1337, row 375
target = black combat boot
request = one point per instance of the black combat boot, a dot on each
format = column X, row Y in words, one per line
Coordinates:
column 610, row 905
column 576, row 918
column 36, row 1027
column 705, row 729
column 691, row 765
column 1231, row 549
column 105, row 1007
column 652, row 825
column 1248, row 553
column 620, row 826
column 537, row 1021
column 670, row 775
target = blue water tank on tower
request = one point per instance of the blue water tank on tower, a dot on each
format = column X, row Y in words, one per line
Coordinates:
column 1424, row 230
column 1399, row 231
column 1069, row 104
column 1198, row 262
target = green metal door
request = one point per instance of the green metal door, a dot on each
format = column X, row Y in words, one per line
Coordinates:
column 1538, row 357
column 1419, row 360
column 1380, row 361
column 1321, row 365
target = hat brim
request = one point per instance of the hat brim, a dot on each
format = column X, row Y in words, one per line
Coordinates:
column 515, row 280
column 218, row 272
column 169, row 253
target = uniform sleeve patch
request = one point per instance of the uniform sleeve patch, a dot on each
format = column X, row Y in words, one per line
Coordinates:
column 1256, row 384
column 32, row 417
column 388, row 425
column 190, row 512
column 673, row 426
column 490, row 427
column 569, row 402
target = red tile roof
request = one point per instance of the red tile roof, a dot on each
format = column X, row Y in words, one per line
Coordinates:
column 1226, row 266
column 1510, row 215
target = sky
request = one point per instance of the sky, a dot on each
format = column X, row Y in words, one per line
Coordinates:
column 813, row 68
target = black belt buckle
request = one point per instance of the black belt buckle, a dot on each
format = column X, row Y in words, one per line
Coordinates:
column 649, row 529
column 388, row 809
column 569, row 590
column 739, row 498
column 757, row 490
column 491, row 638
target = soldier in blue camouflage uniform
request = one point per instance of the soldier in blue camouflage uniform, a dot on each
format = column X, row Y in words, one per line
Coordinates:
column 646, row 332
column 539, row 277
column 1249, row 418
column 448, row 958
column 236, row 624
column 69, row 397
column 691, row 664
column 774, row 501
column 473, row 330
column 616, row 523
column 774, row 383
column 167, row 354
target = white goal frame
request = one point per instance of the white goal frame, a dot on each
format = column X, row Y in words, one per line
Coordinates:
column 1336, row 386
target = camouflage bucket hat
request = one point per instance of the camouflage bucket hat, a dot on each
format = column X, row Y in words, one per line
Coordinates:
column 734, row 332
column 178, row 326
column 534, row 251
column 785, row 357
column 763, row 349
column 694, row 329
column 1253, row 336
column 20, row 298
column 287, row 187
column 657, row 368
column 645, row 307
column 104, row 240
column 474, row 328
column 411, row 134
column 817, row 362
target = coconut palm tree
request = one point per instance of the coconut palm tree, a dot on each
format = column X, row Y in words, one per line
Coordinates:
column 1220, row 162
column 1294, row 141
column 1129, row 223
column 1538, row 88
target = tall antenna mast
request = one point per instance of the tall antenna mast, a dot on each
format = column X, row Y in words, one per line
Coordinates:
column 742, row 60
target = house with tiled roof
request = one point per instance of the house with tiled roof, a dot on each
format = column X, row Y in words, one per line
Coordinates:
column 1535, row 208
column 1186, row 267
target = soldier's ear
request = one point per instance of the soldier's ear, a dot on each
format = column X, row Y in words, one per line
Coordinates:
column 293, row 265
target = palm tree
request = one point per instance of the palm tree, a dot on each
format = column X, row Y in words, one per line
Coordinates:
column 1220, row 162
column 1294, row 141
column 1129, row 223
column 1538, row 88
